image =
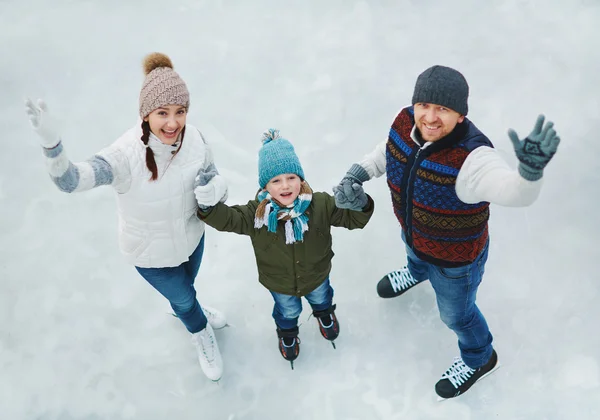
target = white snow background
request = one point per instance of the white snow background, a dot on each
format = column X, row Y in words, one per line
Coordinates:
column 83, row 336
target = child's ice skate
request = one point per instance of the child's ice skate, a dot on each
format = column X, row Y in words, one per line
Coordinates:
column 289, row 344
column 328, row 323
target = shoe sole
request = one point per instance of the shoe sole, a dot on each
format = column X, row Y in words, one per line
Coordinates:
column 482, row 377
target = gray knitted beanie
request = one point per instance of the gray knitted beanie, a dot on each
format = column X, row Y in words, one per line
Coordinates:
column 162, row 85
column 442, row 86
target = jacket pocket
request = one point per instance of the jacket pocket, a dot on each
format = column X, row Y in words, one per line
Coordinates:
column 319, row 249
column 132, row 240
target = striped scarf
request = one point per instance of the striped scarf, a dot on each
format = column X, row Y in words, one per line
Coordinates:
column 270, row 211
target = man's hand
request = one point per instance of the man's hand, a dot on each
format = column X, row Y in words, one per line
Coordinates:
column 349, row 193
column 536, row 150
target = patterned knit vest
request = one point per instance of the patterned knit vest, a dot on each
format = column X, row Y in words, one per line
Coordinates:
column 438, row 227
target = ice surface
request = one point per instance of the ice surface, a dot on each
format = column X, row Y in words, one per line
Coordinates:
column 82, row 336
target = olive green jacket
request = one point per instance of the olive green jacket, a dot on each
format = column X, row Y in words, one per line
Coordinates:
column 292, row 269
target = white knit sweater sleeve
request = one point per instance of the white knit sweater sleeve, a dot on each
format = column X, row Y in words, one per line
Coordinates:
column 108, row 167
column 119, row 165
column 486, row 176
column 375, row 162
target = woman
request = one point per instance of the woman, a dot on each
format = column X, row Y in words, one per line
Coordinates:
column 152, row 168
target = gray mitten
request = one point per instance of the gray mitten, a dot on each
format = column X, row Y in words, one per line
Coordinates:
column 536, row 150
column 209, row 187
column 349, row 193
column 205, row 175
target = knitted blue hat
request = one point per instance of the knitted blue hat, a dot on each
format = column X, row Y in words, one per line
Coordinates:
column 276, row 157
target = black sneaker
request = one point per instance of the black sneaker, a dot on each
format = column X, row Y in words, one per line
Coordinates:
column 460, row 377
column 395, row 283
column 289, row 344
column 328, row 323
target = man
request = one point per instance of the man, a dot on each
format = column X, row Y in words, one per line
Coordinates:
column 443, row 173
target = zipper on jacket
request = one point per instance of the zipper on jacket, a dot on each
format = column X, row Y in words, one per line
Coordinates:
column 459, row 133
column 410, row 186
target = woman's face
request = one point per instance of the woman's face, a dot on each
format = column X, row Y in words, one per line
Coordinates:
column 167, row 122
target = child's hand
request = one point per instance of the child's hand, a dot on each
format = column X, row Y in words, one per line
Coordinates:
column 210, row 189
column 349, row 194
column 205, row 175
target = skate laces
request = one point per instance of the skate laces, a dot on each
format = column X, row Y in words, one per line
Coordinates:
column 209, row 313
column 401, row 279
column 458, row 373
column 207, row 341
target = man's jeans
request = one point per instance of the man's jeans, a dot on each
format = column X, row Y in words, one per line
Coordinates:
column 177, row 285
column 287, row 308
column 455, row 292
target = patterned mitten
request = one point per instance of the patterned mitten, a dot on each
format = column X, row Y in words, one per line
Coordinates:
column 536, row 150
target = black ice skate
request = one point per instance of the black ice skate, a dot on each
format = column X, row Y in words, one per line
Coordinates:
column 460, row 377
column 289, row 344
column 328, row 323
column 395, row 283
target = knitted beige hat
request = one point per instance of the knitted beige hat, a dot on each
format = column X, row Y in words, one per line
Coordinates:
column 162, row 85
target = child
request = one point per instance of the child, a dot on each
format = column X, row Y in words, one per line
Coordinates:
column 152, row 167
column 290, row 231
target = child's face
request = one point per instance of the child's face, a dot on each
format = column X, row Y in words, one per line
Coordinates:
column 284, row 188
column 167, row 122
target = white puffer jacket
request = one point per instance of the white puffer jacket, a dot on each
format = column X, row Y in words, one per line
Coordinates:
column 158, row 225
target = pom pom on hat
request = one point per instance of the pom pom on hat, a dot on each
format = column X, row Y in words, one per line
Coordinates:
column 162, row 85
column 156, row 60
column 276, row 158
column 270, row 135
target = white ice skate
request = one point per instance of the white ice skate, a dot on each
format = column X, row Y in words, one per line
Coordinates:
column 208, row 353
column 215, row 318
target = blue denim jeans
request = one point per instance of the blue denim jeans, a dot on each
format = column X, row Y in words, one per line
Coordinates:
column 455, row 292
column 177, row 285
column 287, row 308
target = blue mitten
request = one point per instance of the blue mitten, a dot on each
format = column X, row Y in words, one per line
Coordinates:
column 536, row 150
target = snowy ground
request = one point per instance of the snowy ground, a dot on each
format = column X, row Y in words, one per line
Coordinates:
column 82, row 336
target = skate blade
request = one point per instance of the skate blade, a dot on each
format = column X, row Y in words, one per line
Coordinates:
column 333, row 344
column 292, row 364
column 440, row 399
